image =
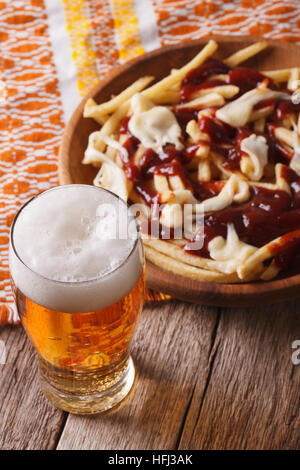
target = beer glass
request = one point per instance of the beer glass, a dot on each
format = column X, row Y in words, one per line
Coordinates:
column 77, row 272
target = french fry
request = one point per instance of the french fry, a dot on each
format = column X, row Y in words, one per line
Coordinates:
column 167, row 97
column 293, row 81
column 218, row 160
column 196, row 135
column 91, row 111
column 227, row 91
column 260, row 113
column 223, row 77
column 259, row 125
column 176, row 183
column 284, row 135
column 279, row 76
column 194, row 132
column 112, row 123
column 270, row 272
column 205, row 112
column 204, row 172
column 111, row 153
column 138, row 155
column 175, row 251
column 162, row 187
column 211, row 99
column 178, row 75
column 245, row 54
column 186, row 270
column 97, row 111
column 288, row 121
column 246, row 165
column 280, row 183
column 264, row 253
column 202, row 151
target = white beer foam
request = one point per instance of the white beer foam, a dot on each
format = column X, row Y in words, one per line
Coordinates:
column 76, row 249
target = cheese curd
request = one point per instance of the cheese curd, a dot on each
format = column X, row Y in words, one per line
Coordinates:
column 235, row 190
column 237, row 112
column 257, row 149
column 110, row 175
column 154, row 126
column 232, row 250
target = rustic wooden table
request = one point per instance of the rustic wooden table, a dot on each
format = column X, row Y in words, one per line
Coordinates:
column 208, row 378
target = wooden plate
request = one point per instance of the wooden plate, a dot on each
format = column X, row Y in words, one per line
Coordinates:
column 279, row 54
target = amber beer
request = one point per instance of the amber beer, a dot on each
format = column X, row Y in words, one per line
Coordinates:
column 79, row 290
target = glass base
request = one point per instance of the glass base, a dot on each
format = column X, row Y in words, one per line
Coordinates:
column 93, row 403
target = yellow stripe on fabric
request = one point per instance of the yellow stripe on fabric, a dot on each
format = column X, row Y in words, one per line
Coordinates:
column 126, row 25
column 83, row 55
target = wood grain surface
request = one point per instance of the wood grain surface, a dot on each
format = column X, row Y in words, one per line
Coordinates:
column 27, row 420
column 208, row 378
column 278, row 55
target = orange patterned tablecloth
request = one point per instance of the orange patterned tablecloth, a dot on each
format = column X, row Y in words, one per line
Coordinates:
column 53, row 51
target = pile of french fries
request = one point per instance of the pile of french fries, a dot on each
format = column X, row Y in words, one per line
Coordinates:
column 231, row 260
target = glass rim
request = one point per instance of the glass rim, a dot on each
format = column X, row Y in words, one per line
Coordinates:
column 70, row 283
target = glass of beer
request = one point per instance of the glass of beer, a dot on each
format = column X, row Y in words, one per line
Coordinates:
column 77, row 272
